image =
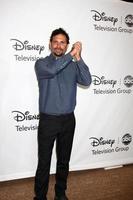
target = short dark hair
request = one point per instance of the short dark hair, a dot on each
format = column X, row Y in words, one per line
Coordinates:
column 59, row 31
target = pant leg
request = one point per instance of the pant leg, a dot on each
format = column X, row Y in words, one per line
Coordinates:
column 63, row 149
column 47, row 132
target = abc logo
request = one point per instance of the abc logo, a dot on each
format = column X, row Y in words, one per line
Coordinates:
column 126, row 139
column 128, row 81
column 129, row 20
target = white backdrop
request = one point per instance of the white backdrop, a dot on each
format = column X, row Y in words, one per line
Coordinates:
column 104, row 130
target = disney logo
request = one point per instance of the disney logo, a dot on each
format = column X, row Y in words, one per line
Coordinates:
column 102, row 17
column 101, row 80
column 19, row 116
column 96, row 142
column 19, row 46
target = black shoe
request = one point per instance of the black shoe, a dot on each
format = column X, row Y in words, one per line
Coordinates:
column 63, row 197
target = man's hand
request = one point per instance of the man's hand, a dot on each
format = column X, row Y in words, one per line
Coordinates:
column 76, row 50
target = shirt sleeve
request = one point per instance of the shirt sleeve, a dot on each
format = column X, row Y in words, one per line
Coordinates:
column 46, row 68
column 83, row 73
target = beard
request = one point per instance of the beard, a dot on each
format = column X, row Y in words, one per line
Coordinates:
column 58, row 52
column 58, row 55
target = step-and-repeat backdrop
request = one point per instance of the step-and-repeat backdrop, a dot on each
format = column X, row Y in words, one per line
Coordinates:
column 104, row 129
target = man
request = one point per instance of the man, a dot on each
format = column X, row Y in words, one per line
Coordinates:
column 57, row 75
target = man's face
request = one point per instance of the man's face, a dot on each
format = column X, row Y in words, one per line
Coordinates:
column 58, row 45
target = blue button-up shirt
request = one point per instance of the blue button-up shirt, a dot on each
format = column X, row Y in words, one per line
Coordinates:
column 57, row 80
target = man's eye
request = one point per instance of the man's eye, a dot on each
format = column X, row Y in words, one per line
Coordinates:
column 55, row 42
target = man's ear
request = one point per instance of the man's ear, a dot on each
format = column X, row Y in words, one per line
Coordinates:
column 50, row 45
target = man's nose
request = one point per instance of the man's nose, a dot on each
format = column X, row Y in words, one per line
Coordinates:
column 58, row 45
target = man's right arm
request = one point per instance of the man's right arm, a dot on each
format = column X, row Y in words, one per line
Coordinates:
column 46, row 69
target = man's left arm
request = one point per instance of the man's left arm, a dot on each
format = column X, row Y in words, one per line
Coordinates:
column 83, row 73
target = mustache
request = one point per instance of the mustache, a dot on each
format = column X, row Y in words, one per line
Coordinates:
column 58, row 49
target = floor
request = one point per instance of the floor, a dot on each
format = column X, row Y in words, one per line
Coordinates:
column 96, row 184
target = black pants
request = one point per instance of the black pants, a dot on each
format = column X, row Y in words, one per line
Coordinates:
column 60, row 128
